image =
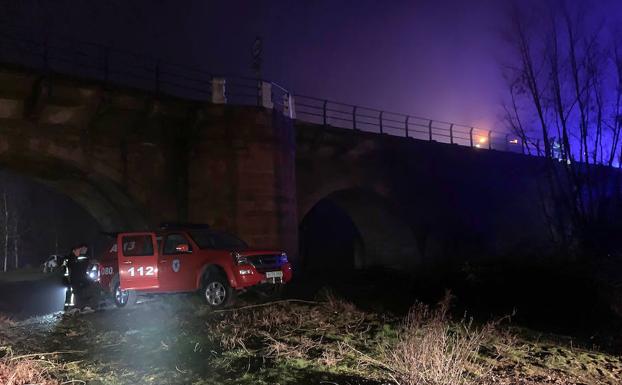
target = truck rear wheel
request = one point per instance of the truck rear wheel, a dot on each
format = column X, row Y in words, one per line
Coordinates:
column 123, row 298
column 216, row 291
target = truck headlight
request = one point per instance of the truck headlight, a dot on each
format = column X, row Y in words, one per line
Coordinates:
column 93, row 273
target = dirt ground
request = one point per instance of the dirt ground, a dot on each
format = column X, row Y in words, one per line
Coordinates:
column 176, row 340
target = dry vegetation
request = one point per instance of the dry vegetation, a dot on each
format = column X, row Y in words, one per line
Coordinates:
column 6, row 321
column 175, row 341
column 22, row 370
column 326, row 333
column 430, row 350
column 29, row 369
column 426, row 348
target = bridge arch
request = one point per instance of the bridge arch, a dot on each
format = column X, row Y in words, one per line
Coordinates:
column 103, row 199
column 354, row 228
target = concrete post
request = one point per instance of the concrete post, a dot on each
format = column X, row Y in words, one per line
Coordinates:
column 266, row 95
column 289, row 108
column 219, row 95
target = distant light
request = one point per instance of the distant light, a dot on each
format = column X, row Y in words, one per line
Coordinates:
column 482, row 139
column 477, row 145
column 514, row 141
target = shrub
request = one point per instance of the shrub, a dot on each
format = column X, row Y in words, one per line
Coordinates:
column 16, row 370
column 432, row 350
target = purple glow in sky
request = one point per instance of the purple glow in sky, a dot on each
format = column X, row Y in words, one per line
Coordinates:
column 438, row 59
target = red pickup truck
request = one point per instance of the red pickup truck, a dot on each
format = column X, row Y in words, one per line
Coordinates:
column 186, row 259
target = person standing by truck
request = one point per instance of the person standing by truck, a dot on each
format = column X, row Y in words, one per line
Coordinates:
column 76, row 281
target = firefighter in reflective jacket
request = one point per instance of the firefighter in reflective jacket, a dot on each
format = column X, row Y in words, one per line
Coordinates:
column 75, row 274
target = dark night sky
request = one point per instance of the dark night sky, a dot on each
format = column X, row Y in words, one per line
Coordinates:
column 439, row 59
column 432, row 58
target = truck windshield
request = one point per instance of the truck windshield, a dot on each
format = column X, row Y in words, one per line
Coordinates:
column 207, row 239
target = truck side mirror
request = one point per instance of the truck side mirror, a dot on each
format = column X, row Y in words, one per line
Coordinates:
column 182, row 248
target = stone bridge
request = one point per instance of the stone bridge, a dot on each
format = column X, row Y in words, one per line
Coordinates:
column 333, row 196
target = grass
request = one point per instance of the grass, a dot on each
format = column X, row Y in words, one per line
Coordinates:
column 321, row 337
column 175, row 340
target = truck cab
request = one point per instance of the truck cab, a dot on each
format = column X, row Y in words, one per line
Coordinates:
column 186, row 259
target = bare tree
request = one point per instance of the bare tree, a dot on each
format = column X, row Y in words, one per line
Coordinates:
column 12, row 228
column 561, row 94
column 16, row 239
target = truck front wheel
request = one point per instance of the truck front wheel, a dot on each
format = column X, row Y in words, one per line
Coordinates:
column 216, row 291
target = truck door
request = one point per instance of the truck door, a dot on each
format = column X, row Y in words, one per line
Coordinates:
column 178, row 265
column 138, row 261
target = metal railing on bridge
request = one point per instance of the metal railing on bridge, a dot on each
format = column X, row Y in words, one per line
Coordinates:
column 62, row 55
column 343, row 115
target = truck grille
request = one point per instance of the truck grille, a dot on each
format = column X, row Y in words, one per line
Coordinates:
column 265, row 262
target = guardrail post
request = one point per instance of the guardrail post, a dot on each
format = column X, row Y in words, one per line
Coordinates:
column 219, row 91
column 406, row 125
column 490, row 140
column 354, row 117
column 451, row 133
column 380, row 118
column 157, row 78
column 324, row 112
column 430, row 130
column 266, row 95
column 471, row 136
column 289, row 108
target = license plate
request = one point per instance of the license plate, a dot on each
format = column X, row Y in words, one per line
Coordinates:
column 274, row 274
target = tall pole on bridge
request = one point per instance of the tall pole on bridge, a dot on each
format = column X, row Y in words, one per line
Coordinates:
column 257, row 54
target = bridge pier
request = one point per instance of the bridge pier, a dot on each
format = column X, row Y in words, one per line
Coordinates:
column 242, row 175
